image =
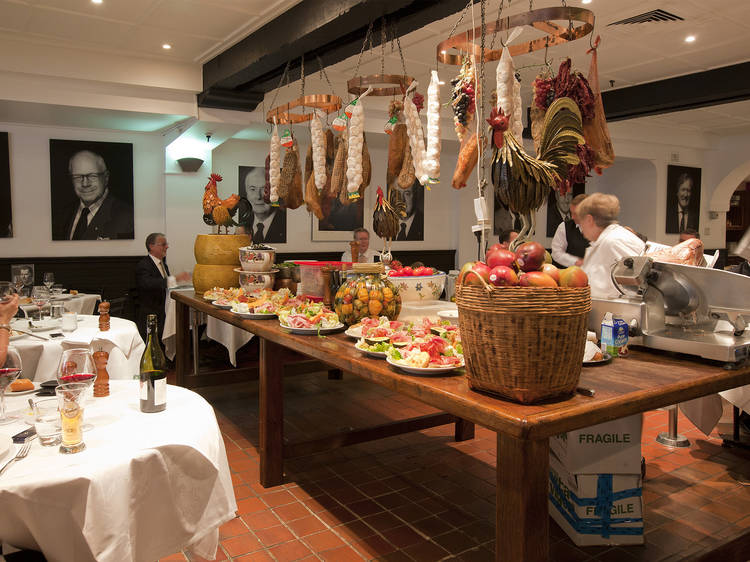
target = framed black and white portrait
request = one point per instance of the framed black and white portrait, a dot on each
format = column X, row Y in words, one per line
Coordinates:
column 269, row 223
column 6, row 208
column 683, row 199
column 91, row 187
column 411, row 227
column 23, row 273
column 339, row 220
column 558, row 206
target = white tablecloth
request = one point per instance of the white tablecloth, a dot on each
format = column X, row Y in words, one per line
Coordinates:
column 122, row 342
column 231, row 337
column 81, row 303
column 146, row 486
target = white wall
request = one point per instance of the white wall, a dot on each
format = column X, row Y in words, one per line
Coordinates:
column 30, row 192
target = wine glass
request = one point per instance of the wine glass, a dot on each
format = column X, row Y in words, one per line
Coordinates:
column 48, row 280
column 9, row 372
column 40, row 297
column 7, row 290
column 77, row 366
column 18, row 282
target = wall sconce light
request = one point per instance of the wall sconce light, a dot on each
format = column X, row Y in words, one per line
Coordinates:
column 190, row 164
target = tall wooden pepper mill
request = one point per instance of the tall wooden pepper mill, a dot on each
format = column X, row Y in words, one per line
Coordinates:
column 104, row 316
column 355, row 250
column 101, row 384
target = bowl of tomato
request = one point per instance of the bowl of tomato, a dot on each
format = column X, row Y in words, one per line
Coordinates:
column 418, row 284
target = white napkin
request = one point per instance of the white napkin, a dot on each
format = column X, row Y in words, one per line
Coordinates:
column 591, row 336
column 590, row 351
column 82, row 335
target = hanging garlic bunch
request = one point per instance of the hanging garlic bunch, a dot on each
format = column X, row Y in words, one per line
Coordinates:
column 509, row 89
column 432, row 154
column 416, row 136
column 275, row 165
column 318, row 151
column 356, row 140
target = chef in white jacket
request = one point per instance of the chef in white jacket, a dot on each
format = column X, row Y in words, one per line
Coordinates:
column 610, row 242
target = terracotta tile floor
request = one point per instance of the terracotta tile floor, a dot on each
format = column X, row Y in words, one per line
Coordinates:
column 424, row 497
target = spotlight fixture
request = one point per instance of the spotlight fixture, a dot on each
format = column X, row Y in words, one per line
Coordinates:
column 585, row 1
column 166, row 46
column 690, row 39
column 96, row 1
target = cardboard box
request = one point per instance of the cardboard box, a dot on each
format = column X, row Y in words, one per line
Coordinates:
column 596, row 509
column 608, row 448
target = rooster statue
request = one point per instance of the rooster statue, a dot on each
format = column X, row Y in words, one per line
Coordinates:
column 386, row 218
column 522, row 182
column 220, row 213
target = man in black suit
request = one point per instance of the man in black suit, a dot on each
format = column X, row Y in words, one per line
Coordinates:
column 98, row 215
column 151, row 276
column 412, row 226
column 269, row 223
column 683, row 215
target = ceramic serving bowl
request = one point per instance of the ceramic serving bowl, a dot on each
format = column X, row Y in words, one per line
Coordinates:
column 257, row 258
column 420, row 288
column 253, row 280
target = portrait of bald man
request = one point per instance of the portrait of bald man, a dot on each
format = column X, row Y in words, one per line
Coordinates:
column 92, row 190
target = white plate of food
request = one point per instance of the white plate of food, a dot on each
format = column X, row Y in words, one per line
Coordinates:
column 16, row 335
column 11, row 392
column 364, row 348
column 45, row 325
column 223, row 304
column 354, row 331
column 606, row 358
column 61, row 297
column 313, row 331
column 424, row 370
column 254, row 315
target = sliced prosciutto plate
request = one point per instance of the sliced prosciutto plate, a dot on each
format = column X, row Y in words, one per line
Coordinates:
column 314, row 331
column 423, row 370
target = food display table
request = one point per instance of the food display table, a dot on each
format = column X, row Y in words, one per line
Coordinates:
column 122, row 342
column 146, row 486
column 81, row 303
column 643, row 381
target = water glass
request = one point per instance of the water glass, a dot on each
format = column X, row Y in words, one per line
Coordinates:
column 9, row 371
column 57, row 310
column 69, row 321
column 47, row 421
column 70, row 400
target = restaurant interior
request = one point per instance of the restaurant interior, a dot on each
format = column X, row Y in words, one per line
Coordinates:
column 187, row 85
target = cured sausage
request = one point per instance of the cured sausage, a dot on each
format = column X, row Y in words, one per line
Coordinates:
column 467, row 159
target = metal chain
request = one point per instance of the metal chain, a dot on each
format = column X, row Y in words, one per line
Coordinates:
column 302, row 81
column 497, row 24
column 362, row 50
column 461, row 17
column 324, row 74
column 278, row 88
column 401, row 54
column 479, row 101
column 383, row 41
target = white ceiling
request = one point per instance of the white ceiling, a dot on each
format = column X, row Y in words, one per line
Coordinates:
column 200, row 29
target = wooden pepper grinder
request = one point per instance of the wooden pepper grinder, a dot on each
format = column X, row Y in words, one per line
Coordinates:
column 104, row 316
column 101, row 384
column 355, row 251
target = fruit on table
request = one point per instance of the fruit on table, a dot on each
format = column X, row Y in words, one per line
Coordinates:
column 530, row 256
column 366, row 295
column 536, row 279
column 503, row 276
column 497, row 255
column 477, row 270
column 552, row 271
column 573, row 276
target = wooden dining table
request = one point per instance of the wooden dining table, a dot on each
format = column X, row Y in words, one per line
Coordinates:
column 644, row 380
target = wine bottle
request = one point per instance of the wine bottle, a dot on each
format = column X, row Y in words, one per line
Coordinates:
column 153, row 372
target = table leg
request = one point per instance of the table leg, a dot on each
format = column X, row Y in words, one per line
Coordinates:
column 182, row 349
column 196, row 358
column 464, row 430
column 335, row 374
column 522, row 523
column 271, row 390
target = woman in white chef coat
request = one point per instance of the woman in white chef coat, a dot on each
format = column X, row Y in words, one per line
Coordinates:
column 610, row 242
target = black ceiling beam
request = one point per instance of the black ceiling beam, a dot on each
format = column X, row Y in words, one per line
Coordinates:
column 331, row 29
column 701, row 89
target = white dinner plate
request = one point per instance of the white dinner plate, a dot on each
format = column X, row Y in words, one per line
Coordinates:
column 9, row 392
column 16, row 337
column 254, row 316
column 61, row 297
column 222, row 306
column 375, row 354
column 422, row 370
column 354, row 332
column 606, row 358
column 5, row 444
column 313, row 331
column 45, row 325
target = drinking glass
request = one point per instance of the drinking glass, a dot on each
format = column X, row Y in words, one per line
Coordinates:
column 70, row 400
column 48, row 280
column 6, row 290
column 9, row 372
column 40, row 297
column 77, row 366
column 47, row 421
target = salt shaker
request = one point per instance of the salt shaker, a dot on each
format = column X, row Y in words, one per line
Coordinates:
column 104, row 316
column 101, row 384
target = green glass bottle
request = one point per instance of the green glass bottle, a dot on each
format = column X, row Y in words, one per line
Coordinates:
column 153, row 372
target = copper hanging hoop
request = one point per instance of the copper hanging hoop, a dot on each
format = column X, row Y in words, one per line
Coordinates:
column 325, row 102
column 542, row 19
column 357, row 85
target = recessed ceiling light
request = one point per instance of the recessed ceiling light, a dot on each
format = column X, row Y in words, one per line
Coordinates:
column 166, row 46
column 689, row 38
column 96, row 1
column 585, row 1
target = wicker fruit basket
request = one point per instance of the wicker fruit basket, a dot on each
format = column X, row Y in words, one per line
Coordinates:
column 523, row 343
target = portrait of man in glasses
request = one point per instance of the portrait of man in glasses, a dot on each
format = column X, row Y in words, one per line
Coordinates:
column 269, row 223
column 100, row 204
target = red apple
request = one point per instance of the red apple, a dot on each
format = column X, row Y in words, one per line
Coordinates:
column 552, row 271
column 500, row 256
column 536, row 279
column 573, row 276
column 479, row 269
column 530, row 256
column 503, row 276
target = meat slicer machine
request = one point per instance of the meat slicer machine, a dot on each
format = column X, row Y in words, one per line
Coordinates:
column 680, row 308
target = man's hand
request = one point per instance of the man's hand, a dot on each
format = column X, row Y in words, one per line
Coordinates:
column 8, row 309
column 183, row 277
column 579, row 262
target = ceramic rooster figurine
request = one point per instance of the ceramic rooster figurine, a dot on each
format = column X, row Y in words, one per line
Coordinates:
column 220, row 212
column 523, row 182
